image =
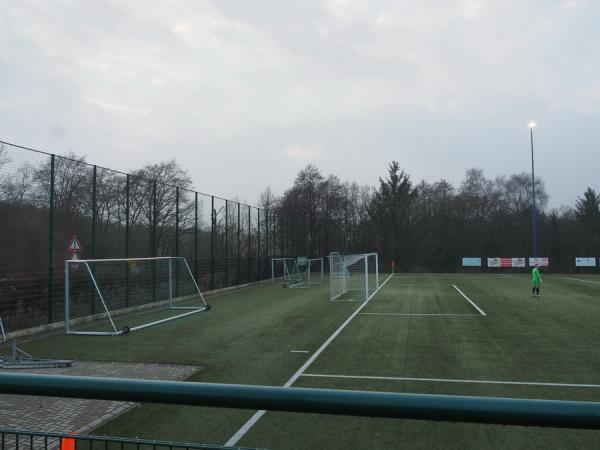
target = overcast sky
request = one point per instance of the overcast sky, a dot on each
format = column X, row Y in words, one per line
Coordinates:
column 245, row 93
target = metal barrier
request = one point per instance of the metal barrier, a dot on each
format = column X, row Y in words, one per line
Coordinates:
column 489, row 410
column 29, row 440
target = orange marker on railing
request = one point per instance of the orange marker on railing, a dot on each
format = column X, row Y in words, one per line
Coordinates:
column 67, row 443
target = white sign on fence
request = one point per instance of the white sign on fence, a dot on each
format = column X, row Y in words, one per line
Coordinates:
column 585, row 262
column 518, row 262
column 542, row 262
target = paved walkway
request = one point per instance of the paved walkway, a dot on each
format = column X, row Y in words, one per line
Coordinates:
column 80, row 415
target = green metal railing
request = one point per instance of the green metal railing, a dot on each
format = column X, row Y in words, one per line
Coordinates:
column 29, row 440
column 488, row 410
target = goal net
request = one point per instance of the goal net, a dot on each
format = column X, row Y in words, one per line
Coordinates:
column 116, row 296
column 315, row 270
column 299, row 278
column 353, row 277
column 283, row 268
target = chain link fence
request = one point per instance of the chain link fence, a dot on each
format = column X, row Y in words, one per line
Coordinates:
column 46, row 199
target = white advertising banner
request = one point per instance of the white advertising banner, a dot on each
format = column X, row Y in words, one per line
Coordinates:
column 585, row 262
column 506, row 262
column 493, row 262
column 518, row 262
column 542, row 262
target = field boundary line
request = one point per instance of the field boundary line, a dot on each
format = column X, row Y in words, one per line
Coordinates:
column 416, row 314
column 582, row 280
column 469, row 300
column 500, row 277
column 452, row 380
column 256, row 417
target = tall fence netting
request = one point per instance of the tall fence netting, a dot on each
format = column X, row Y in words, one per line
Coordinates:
column 47, row 199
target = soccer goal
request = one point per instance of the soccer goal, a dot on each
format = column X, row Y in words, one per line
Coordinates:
column 283, row 268
column 300, row 276
column 353, row 277
column 117, row 296
column 316, row 270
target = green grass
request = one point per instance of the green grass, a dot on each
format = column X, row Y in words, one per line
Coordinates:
column 424, row 329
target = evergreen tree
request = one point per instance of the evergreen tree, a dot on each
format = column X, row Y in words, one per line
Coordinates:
column 390, row 213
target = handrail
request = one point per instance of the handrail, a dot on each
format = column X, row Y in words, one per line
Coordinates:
column 449, row 408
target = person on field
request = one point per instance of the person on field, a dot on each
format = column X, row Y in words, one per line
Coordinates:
column 536, row 279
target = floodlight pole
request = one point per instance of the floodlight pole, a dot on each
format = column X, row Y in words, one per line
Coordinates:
column 533, row 209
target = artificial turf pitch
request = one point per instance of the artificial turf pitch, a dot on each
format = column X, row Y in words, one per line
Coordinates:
column 418, row 334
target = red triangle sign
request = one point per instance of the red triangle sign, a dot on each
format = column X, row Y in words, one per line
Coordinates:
column 74, row 245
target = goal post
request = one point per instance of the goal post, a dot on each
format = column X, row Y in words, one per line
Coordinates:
column 353, row 277
column 316, row 270
column 108, row 297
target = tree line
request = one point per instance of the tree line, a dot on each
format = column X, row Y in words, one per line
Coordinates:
column 430, row 226
column 424, row 226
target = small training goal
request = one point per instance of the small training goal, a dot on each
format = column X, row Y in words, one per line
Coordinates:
column 295, row 272
column 117, row 296
column 316, row 270
column 283, row 268
column 353, row 277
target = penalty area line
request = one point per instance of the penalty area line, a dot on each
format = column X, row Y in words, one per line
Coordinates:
column 258, row 414
column 416, row 314
column 469, row 300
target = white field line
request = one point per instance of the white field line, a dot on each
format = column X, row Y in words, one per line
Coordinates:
column 469, row 300
column 452, row 380
column 582, row 280
column 299, row 351
column 417, row 314
column 256, row 417
column 499, row 277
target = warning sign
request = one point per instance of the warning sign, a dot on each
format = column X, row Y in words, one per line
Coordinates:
column 73, row 256
column 74, row 245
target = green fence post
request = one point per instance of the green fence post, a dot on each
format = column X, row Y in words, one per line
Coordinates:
column 226, row 252
column 177, row 241
column 93, row 246
column 248, row 253
column 258, row 247
column 239, row 267
column 154, row 213
column 127, row 240
column 274, row 249
column 51, row 241
column 266, row 233
column 281, row 248
column 213, row 219
column 264, row 262
column 196, row 236
column 177, row 221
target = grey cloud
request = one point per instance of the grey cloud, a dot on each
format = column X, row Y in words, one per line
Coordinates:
column 243, row 94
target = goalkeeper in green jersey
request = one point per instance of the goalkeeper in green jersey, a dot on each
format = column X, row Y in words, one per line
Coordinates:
column 536, row 280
